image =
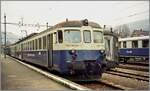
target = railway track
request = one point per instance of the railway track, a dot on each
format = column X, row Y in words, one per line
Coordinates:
column 102, row 85
column 130, row 74
column 134, row 67
column 96, row 85
column 137, row 63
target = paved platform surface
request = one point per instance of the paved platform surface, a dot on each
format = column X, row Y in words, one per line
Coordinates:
column 16, row 76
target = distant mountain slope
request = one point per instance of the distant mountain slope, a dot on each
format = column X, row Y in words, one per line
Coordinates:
column 141, row 24
column 10, row 37
column 125, row 30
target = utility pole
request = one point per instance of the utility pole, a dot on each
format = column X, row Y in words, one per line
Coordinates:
column 5, row 35
column 0, row 42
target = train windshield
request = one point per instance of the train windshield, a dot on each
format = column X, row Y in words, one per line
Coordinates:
column 87, row 36
column 97, row 37
column 72, row 36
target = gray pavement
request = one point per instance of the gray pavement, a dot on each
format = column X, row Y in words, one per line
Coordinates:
column 16, row 76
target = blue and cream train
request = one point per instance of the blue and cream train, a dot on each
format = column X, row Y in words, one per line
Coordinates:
column 74, row 48
column 134, row 47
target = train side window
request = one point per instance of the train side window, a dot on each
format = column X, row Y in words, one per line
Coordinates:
column 36, row 44
column 33, row 45
column 40, row 43
column 44, row 42
column 124, row 44
column 145, row 43
column 119, row 44
column 134, row 44
column 24, row 46
column 30, row 45
column 60, row 36
column 87, row 36
column 55, row 37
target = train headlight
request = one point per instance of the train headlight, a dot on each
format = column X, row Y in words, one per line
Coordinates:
column 85, row 22
column 72, row 52
column 102, row 51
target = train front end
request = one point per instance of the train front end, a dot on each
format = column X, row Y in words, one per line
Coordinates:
column 82, row 52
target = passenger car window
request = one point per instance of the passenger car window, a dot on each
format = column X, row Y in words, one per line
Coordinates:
column 145, row 43
column 40, row 42
column 55, row 37
column 44, row 42
column 60, row 36
column 36, row 44
column 124, row 44
column 134, row 44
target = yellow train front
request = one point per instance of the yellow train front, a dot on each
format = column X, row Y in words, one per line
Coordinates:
column 75, row 49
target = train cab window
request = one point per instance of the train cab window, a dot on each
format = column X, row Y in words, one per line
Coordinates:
column 97, row 37
column 87, row 36
column 60, row 36
column 124, row 44
column 72, row 36
column 134, row 44
column 145, row 43
column 44, row 42
column 40, row 41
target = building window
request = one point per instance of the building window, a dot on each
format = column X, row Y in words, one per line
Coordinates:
column 134, row 44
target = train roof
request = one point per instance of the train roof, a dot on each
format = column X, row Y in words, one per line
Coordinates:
column 134, row 38
column 71, row 23
column 29, row 36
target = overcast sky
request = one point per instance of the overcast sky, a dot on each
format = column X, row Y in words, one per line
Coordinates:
column 103, row 12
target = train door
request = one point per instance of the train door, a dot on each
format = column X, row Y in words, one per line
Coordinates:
column 107, row 47
column 50, row 49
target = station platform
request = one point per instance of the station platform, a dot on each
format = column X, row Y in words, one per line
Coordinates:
column 15, row 76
